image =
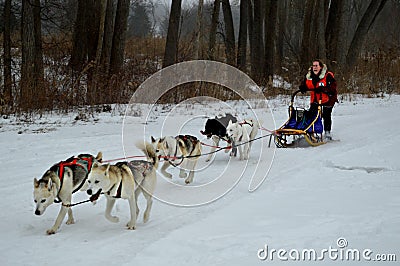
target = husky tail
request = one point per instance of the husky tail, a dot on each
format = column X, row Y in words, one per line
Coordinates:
column 148, row 149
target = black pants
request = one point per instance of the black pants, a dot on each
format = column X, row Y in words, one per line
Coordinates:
column 326, row 115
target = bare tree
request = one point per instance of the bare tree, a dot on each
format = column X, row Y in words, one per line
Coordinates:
column 32, row 73
column 198, row 28
column 256, row 40
column 373, row 10
column 270, row 37
column 171, row 46
column 7, row 54
column 229, row 33
column 242, row 41
column 332, row 33
column 213, row 28
column 119, row 37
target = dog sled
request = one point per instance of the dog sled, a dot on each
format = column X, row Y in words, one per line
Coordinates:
column 301, row 124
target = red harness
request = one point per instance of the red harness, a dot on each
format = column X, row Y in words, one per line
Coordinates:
column 73, row 162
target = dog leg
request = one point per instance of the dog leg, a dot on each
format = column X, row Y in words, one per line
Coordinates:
column 191, row 165
column 164, row 168
column 132, row 206
column 216, row 142
column 60, row 218
column 109, row 207
column 70, row 217
column 149, row 204
column 246, row 151
column 240, row 148
column 137, row 193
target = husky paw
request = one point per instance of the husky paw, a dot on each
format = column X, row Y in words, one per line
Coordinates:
column 51, row 232
column 167, row 175
column 182, row 175
column 146, row 218
column 131, row 226
column 187, row 181
column 113, row 219
column 70, row 221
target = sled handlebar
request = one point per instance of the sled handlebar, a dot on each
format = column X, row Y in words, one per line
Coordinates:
column 294, row 95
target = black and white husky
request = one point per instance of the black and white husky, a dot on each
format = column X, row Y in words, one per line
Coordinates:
column 59, row 183
column 215, row 128
column 183, row 151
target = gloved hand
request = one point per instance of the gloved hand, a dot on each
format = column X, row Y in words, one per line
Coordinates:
column 320, row 89
column 303, row 89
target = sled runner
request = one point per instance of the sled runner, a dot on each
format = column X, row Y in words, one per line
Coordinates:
column 301, row 124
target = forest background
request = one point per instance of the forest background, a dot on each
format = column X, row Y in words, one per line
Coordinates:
column 62, row 55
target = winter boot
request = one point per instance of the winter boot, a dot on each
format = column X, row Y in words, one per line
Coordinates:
column 328, row 135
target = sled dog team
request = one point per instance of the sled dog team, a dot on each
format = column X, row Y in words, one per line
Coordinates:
column 127, row 180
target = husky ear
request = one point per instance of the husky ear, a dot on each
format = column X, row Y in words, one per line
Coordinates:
column 229, row 123
column 99, row 156
column 107, row 167
column 152, row 139
column 35, row 182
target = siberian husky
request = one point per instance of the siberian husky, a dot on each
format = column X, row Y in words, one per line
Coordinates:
column 215, row 129
column 59, row 183
column 126, row 180
column 174, row 150
column 243, row 133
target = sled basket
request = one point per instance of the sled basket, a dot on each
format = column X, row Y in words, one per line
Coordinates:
column 301, row 123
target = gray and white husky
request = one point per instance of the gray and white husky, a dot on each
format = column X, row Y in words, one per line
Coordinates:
column 126, row 180
column 59, row 183
column 174, row 150
column 243, row 133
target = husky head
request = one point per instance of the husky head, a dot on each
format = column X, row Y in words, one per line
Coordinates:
column 44, row 193
column 160, row 146
column 233, row 130
column 98, row 178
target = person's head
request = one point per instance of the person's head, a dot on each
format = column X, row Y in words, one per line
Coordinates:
column 317, row 66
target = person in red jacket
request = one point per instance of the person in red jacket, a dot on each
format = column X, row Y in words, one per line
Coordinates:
column 322, row 86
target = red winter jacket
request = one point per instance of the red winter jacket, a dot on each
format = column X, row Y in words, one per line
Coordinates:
column 326, row 82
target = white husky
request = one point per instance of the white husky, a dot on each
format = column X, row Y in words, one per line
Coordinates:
column 243, row 133
column 118, row 181
column 182, row 150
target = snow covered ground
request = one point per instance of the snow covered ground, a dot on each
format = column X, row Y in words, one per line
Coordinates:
column 336, row 199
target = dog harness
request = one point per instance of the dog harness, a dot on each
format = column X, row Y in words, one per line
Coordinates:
column 84, row 161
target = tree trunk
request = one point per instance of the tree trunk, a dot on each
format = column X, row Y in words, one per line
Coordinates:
column 80, row 39
column 332, row 33
column 96, row 82
column 282, row 29
column 306, row 54
column 32, row 73
column 7, row 54
column 365, row 24
column 229, row 33
column 242, row 41
column 197, row 49
column 270, row 35
column 257, row 42
column 320, row 29
column 108, row 37
column 213, row 29
column 172, row 42
column 119, row 38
